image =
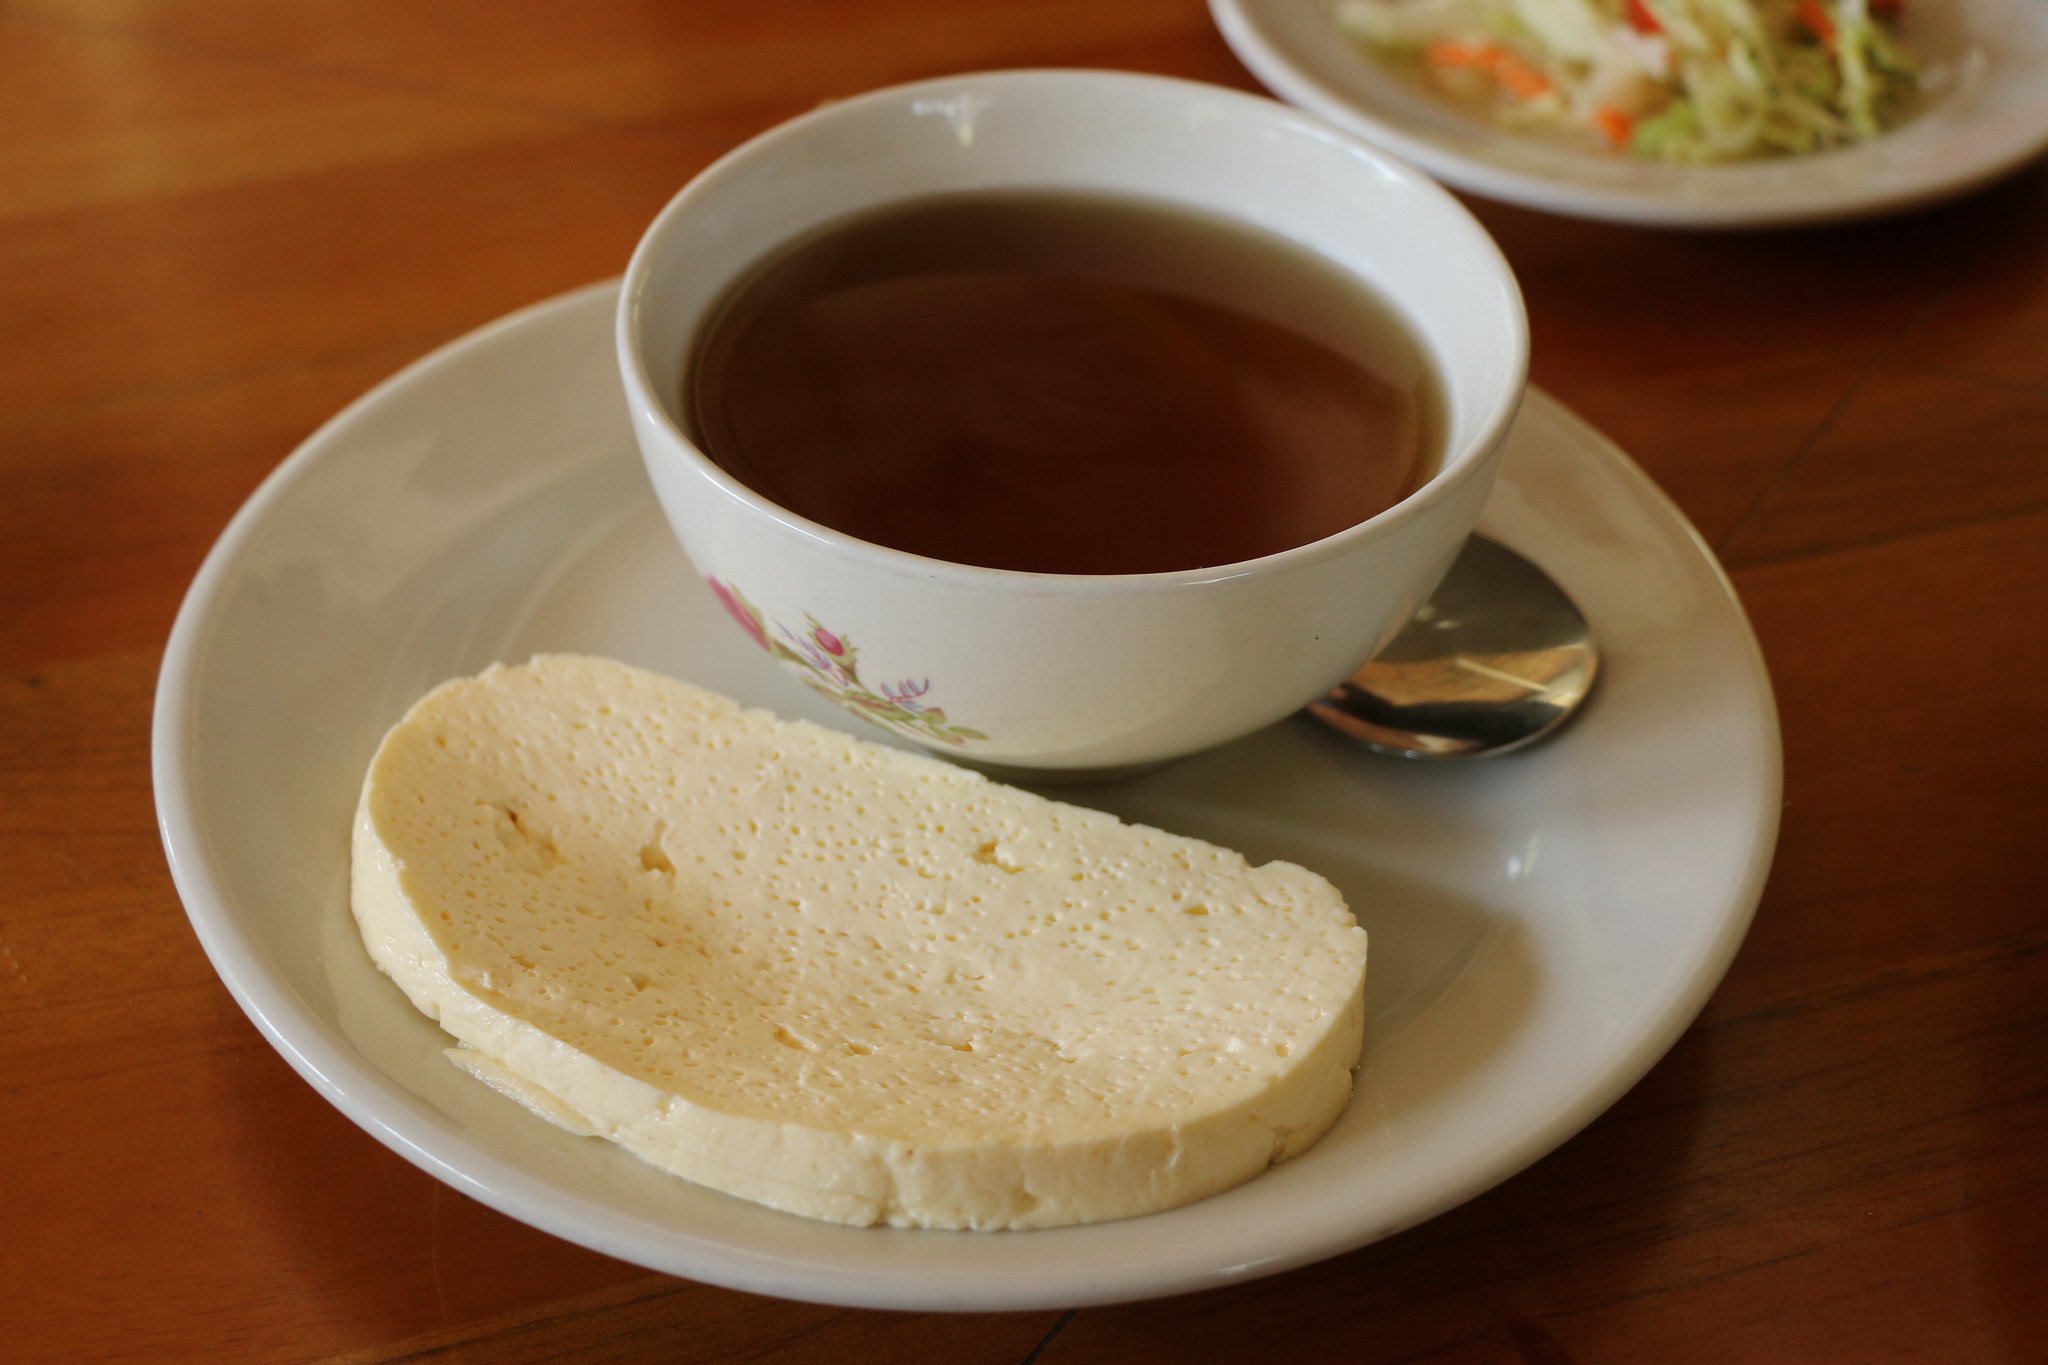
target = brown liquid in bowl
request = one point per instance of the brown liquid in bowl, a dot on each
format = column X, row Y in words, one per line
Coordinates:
column 1064, row 383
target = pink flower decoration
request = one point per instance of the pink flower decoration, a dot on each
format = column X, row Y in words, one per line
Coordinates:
column 825, row 663
column 739, row 611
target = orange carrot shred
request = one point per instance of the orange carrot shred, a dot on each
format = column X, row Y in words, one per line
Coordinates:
column 1618, row 127
column 1815, row 16
column 1508, row 70
column 1517, row 77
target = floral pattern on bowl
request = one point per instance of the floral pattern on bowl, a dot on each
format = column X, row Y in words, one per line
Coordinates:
column 826, row 662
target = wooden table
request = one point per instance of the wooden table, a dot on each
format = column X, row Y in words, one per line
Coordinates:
column 220, row 222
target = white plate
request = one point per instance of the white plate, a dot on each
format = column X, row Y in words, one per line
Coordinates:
column 1991, row 116
column 1543, row 926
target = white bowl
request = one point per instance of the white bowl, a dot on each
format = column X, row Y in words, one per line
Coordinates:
column 1068, row 671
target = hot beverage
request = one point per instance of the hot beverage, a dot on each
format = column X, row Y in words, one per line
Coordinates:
column 1064, row 382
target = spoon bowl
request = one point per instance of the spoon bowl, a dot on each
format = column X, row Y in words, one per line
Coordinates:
column 1497, row 659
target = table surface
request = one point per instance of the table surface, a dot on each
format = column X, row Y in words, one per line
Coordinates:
column 220, row 222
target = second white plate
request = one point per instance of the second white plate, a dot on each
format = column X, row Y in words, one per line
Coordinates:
column 1991, row 115
column 1543, row 925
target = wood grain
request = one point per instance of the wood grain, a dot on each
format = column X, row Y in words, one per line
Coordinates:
column 220, row 222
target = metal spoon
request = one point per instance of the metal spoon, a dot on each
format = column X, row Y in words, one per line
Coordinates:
column 1495, row 660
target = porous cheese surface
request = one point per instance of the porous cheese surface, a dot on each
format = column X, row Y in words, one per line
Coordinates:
column 836, row 978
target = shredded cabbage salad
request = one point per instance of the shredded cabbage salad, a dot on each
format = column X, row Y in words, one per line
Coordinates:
column 1679, row 80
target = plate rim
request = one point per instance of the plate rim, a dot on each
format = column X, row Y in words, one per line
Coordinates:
column 337, row 1070
column 1284, row 77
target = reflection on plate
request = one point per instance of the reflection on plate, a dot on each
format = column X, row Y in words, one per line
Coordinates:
column 1543, row 925
column 1989, row 117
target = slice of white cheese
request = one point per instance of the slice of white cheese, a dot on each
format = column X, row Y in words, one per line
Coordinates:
column 837, row 978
